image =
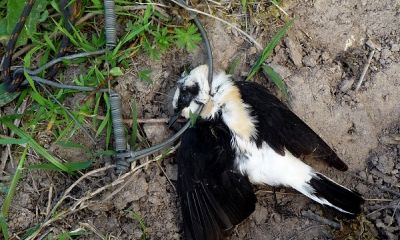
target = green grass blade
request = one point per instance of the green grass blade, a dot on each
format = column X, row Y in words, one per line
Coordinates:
column 276, row 79
column 128, row 37
column 5, row 96
column 244, row 6
column 103, row 124
column 108, row 135
column 4, row 227
column 39, row 149
column 193, row 118
column 49, row 42
column 72, row 166
column 11, row 192
column 141, row 222
column 269, row 49
column 6, row 141
column 67, row 144
column 30, row 231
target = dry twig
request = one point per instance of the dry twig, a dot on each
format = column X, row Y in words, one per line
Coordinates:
column 259, row 47
column 366, row 66
column 82, row 203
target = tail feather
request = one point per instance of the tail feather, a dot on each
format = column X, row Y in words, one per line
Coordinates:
column 327, row 192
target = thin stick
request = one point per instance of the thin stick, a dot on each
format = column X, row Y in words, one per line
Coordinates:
column 315, row 217
column 258, row 46
column 280, row 9
column 50, row 197
column 86, row 175
column 360, row 81
column 165, row 174
column 394, row 213
column 173, row 149
column 378, row 200
column 92, row 228
column 392, row 204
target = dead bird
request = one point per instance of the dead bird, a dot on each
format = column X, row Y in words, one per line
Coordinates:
column 263, row 142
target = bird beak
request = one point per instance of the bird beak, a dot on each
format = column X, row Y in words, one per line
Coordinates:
column 174, row 118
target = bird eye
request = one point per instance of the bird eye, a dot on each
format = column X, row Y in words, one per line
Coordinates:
column 194, row 90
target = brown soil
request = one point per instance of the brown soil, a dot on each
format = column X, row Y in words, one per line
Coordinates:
column 320, row 59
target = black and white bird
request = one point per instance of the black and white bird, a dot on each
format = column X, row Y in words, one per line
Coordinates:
column 246, row 134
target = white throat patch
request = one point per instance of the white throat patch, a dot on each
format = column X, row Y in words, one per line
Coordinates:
column 226, row 97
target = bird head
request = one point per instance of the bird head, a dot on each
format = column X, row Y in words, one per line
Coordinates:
column 191, row 93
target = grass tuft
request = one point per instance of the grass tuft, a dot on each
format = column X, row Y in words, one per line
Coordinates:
column 268, row 50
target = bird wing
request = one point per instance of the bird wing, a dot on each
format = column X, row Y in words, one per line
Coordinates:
column 282, row 129
column 213, row 197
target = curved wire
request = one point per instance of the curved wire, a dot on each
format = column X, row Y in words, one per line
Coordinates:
column 135, row 155
column 65, row 86
column 132, row 155
column 68, row 57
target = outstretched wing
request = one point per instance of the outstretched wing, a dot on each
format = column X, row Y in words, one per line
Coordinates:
column 281, row 128
column 213, row 197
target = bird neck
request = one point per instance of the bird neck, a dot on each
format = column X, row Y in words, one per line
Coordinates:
column 227, row 100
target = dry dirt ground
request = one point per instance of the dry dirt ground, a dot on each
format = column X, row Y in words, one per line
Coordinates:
column 320, row 59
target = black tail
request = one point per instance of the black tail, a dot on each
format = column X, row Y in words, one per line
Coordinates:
column 334, row 195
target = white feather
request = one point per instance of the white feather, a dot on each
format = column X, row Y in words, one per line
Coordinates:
column 265, row 166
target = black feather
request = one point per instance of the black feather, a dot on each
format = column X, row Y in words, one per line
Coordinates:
column 337, row 195
column 214, row 198
column 281, row 128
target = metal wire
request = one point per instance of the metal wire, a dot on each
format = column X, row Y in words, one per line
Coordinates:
column 60, row 59
column 110, row 23
column 119, row 132
column 135, row 155
column 123, row 156
column 65, row 86
column 10, row 83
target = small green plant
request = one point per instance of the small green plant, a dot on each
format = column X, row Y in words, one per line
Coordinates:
column 142, row 225
column 163, row 38
column 145, row 75
column 13, row 186
column 193, row 118
column 70, row 235
column 187, row 38
column 244, row 6
column 46, row 112
column 268, row 50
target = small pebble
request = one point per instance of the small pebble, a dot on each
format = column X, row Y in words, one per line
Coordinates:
column 363, row 175
column 395, row 47
column 385, row 164
column 373, row 45
column 386, row 53
column 309, row 61
column 295, row 51
column 325, row 56
column 379, row 224
column 346, row 84
column 388, row 219
column 370, row 179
